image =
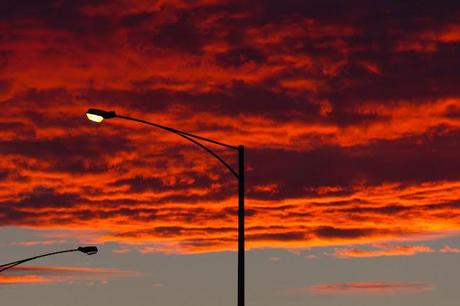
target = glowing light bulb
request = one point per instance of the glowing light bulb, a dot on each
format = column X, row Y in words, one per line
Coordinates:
column 95, row 118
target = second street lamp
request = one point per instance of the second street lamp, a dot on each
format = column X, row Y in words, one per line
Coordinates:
column 98, row 115
column 89, row 250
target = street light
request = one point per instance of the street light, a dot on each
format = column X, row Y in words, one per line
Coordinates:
column 88, row 250
column 98, row 115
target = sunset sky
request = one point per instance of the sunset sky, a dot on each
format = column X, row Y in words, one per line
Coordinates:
column 349, row 111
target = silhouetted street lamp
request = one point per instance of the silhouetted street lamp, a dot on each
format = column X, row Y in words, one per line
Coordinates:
column 98, row 115
column 89, row 250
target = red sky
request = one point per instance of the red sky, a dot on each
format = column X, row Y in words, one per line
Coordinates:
column 350, row 115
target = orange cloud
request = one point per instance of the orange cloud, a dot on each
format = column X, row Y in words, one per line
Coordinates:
column 369, row 288
column 384, row 250
column 23, row 279
column 43, row 274
column 41, row 242
column 351, row 138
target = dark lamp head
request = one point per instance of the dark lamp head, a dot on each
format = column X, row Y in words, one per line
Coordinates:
column 88, row 250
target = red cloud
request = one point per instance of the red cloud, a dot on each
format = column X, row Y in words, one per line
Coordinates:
column 351, row 124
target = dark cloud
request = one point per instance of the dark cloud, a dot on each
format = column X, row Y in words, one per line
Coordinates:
column 43, row 197
column 287, row 236
column 230, row 100
column 181, row 35
column 141, row 184
column 73, row 154
column 187, row 179
column 409, row 160
column 329, row 232
column 453, row 112
column 212, row 195
column 64, row 15
column 137, row 100
column 136, row 20
column 3, row 174
column 410, row 76
column 30, row 206
column 20, row 129
column 238, row 57
column 385, row 210
column 295, row 171
column 5, row 85
column 13, row 216
column 339, row 11
column 241, row 98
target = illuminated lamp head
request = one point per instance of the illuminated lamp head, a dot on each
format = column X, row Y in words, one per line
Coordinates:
column 98, row 115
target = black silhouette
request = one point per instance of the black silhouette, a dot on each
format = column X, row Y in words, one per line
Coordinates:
column 89, row 250
column 98, row 115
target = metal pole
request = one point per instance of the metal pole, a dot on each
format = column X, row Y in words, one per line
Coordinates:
column 241, row 226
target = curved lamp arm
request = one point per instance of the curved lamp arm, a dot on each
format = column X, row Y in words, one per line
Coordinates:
column 89, row 250
column 98, row 115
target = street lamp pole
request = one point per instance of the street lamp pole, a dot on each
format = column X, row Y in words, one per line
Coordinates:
column 98, row 115
column 88, row 250
column 241, row 226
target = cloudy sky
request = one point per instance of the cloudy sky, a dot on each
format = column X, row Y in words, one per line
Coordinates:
column 349, row 111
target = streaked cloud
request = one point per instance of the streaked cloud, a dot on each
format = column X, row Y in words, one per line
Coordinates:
column 449, row 249
column 38, row 242
column 383, row 250
column 377, row 288
column 23, row 279
column 351, row 121
column 44, row 275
